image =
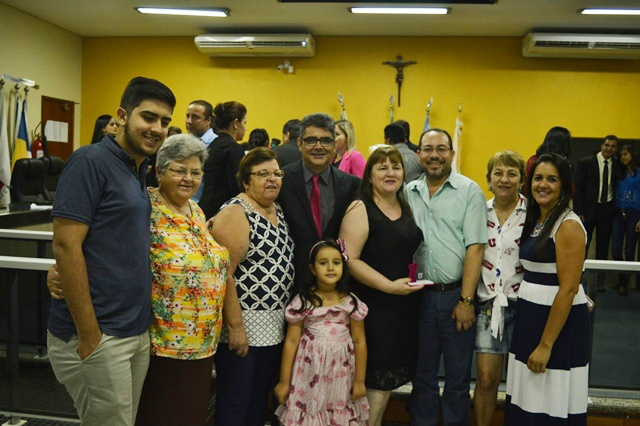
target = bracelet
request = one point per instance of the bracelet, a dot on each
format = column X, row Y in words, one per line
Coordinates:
column 468, row 301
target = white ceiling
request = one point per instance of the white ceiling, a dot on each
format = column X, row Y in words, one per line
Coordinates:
column 105, row 18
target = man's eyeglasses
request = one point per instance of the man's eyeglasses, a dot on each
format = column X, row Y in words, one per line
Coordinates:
column 312, row 141
column 441, row 150
column 266, row 174
column 182, row 173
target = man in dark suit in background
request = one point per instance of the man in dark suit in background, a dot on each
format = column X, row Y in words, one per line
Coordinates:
column 314, row 195
column 596, row 181
column 288, row 152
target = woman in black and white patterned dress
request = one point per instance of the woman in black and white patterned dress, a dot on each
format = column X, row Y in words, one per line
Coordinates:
column 253, row 229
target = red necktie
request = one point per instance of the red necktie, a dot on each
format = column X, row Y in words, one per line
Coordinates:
column 316, row 208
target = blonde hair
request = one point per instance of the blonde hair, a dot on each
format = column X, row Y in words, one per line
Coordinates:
column 508, row 158
column 348, row 130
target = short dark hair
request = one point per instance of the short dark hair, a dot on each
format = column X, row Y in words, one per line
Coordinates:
column 395, row 133
column 435, row 129
column 227, row 112
column 293, row 128
column 611, row 138
column 320, row 120
column 208, row 108
column 405, row 126
column 253, row 158
column 142, row 89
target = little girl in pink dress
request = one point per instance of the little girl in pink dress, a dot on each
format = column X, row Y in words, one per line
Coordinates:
column 324, row 355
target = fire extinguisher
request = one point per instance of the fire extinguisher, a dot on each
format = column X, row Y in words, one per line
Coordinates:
column 37, row 149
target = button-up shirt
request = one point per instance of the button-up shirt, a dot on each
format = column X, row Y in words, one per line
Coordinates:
column 454, row 218
column 207, row 138
column 601, row 171
column 502, row 271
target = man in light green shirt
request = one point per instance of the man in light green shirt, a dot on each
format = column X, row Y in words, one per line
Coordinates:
column 450, row 209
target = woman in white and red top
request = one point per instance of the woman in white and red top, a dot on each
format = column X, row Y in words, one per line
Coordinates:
column 502, row 273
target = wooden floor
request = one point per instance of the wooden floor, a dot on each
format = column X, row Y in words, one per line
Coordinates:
column 397, row 415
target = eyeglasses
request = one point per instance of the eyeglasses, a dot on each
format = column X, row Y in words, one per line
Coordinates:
column 266, row 174
column 182, row 173
column 312, row 141
column 441, row 150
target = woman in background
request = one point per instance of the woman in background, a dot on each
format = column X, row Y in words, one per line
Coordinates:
column 225, row 153
column 257, row 138
column 626, row 216
column 556, row 141
column 547, row 376
column 105, row 125
column 347, row 158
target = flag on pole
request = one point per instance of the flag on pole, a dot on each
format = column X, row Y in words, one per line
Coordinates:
column 5, row 161
column 343, row 114
column 21, row 146
column 457, row 144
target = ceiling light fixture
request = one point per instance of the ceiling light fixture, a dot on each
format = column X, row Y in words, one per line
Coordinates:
column 401, row 10
column 217, row 13
column 610, row 11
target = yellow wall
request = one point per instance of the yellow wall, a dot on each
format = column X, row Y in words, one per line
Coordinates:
column 37, row 50
column 509, row 101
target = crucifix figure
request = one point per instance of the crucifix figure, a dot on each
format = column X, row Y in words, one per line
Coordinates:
column 399, row 65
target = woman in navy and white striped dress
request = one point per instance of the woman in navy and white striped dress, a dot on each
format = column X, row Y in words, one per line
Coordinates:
column 547, row 377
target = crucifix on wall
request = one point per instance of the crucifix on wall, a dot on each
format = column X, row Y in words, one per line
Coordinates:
column 399, row 65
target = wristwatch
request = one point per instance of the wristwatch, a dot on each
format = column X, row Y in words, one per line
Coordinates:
column 467, row 301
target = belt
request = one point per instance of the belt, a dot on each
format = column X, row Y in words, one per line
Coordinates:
column 444, row 287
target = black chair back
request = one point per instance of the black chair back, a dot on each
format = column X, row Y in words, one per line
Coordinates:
column 26, row 181
column 53, row 169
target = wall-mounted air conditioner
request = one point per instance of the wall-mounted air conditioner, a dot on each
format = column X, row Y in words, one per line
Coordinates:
column 558, row 45
column 288, row 45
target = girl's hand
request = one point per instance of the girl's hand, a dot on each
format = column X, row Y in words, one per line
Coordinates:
column 358, row 390
column 281, row 392
column 402, row 288
column 638, row 226
column 539, row 358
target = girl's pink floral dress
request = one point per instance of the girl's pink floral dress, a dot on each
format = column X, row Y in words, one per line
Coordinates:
column 324, row 368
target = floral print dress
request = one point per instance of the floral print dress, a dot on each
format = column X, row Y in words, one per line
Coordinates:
column 189, row 282
column 324, row 368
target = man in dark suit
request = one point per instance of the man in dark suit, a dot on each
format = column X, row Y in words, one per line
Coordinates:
column 288, row 152
column 596, row 182
column 314, row 195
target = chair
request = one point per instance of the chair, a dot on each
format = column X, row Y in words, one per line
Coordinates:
column 26, row 181
column 52, row 171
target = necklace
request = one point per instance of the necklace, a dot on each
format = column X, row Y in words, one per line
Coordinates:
column 538, row 228
column 506, row 211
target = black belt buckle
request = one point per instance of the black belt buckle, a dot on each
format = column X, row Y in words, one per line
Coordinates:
column 444, row 287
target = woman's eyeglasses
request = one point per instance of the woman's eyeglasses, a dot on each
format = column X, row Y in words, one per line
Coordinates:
column 266, row 174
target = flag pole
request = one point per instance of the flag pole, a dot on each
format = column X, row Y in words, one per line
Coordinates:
column 392, row 100
column 457, row 138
